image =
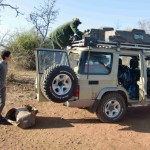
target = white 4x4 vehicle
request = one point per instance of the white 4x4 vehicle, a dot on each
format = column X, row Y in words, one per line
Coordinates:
column 103, row 72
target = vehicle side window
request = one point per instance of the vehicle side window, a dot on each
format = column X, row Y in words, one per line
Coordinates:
column 96, row 63
column 74, row 59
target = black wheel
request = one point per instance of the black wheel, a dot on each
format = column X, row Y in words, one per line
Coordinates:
column 111, row 108
column 59, row 83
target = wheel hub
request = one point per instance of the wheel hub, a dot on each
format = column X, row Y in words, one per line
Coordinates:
column 112, row 108
column 61, row 84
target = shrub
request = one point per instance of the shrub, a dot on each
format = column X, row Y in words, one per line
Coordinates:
column 22, row 47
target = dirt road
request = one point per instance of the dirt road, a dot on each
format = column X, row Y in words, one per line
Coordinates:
column 63, row 128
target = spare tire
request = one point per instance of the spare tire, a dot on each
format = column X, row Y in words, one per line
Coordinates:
column 58, row 83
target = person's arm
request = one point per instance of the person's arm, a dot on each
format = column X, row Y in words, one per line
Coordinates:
column 75, row 29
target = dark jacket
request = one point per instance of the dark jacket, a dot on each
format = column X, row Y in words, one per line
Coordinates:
column 3, row 73
column 62, row 34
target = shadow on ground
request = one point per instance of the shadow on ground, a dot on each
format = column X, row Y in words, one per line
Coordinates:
column 57, row 122
column 136, row 119
column 51, row 122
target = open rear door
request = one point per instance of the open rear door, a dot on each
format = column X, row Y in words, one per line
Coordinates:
column 46, row 58
column 147, row 64
column 143, row 78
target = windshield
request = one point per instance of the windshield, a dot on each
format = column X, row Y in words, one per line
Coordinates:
column 47, row 59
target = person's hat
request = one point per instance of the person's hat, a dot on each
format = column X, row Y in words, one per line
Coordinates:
column 77, row 20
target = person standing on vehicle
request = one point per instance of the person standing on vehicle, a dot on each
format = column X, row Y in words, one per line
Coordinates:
column 6, row 57
column 62, row 35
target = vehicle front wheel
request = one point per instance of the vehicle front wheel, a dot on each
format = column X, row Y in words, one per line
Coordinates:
column 112, row 108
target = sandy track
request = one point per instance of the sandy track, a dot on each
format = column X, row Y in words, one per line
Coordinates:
column 63, row 128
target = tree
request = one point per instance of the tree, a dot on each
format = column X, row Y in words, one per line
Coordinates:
column 117, row 25
column 4, row 37
column 42, row 17
column 2, row 4
column 144, row 25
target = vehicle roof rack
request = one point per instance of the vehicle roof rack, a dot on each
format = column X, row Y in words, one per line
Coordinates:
column 84, row 43
column 107, row 37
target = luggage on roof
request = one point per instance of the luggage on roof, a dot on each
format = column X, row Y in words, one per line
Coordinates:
column 135, row 36
column 108, row 34
column 97, row 34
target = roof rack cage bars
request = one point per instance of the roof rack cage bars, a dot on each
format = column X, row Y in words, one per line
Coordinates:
column 110, row 44
column 123, row 45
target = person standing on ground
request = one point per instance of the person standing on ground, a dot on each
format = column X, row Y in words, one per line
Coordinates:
column 6, row 57
column 62, row 35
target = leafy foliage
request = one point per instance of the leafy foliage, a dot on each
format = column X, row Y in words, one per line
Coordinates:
column 22, row 47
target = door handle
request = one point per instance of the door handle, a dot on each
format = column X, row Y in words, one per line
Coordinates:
column 93, row 82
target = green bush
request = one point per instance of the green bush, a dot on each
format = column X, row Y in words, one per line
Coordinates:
column 47, row 43
column 22, row 47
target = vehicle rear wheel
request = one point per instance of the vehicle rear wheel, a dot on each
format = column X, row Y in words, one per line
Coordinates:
column 112, row 108
column 59, row 83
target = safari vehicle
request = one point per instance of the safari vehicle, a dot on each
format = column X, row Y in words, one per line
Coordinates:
column 105, row 72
